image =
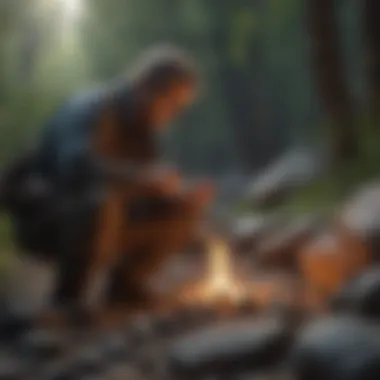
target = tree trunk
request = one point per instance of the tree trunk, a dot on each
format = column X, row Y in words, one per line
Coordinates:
column 330, row 79
column 244, row 92
column 29, row 50
column 372, row 43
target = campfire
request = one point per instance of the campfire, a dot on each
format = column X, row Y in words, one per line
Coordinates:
column 221, row 281
column 224, row 283
column 221, row 284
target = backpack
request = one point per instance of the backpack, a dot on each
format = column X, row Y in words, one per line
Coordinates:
column 29, row 199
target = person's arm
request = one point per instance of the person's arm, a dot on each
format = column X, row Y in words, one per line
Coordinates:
column 82, row 161
column 125, row 172
column 102, row 158
column 107, row 155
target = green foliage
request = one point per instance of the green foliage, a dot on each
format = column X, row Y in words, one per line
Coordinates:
column 260, row 40
column 259, row 91
column 327, row 194
column 244, row 27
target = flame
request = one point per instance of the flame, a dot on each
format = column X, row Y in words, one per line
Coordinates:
column 221, row 281
column 225, row 287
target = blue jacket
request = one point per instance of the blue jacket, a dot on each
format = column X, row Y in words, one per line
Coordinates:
column 65, row 140
column 64, row 154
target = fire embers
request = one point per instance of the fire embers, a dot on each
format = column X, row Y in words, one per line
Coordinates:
column 221, row 284
column 231, row 289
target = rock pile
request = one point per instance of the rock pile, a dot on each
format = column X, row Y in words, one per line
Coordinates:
column 338, row 341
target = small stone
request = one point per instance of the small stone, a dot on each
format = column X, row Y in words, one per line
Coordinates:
column 90, row 360
column 42, row 344
column 167, row 324
column 183, row 319
column 337, row 348
column 230, row 347
column 360, row 296
column 360, row 216
column 115, row 347
column 246, row 231
column 279, row 249
column 123, row 372
column 9, row 369
column 146, row 366
column 59, row 374
column 198, row 316
column 140, row 329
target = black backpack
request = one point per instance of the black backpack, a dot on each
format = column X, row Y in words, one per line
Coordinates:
column 29, row 199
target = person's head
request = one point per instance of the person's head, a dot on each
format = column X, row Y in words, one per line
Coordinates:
column 167, row 79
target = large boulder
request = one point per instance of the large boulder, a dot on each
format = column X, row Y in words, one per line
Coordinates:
column 233, row 347
column 361, row 217
column 295, row 168
column 337, row 349
column 280, row 248
column 361, row 295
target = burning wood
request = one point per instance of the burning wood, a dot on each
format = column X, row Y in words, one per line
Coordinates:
column 221, row 283
column 226, row 285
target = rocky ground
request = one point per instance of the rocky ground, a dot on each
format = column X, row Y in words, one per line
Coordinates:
column 314, row 312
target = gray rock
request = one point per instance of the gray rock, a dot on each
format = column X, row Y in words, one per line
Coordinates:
column 337, row 349
column 247, row 230
column 231, row 187
column 361, row 216
column 228, row 348
column 59, row 373
column 89, row 361
column 280, row 249
column 146, row 366
column 194, row 317
column 10, row 369
column 115, row 347
column 140, row 329
column 293, row 169
column 123, row 372
column 361, row 295
column 167, row 324
column 42, row 344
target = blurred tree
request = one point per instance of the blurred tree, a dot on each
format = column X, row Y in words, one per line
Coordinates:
column 244, row 83
column 330, row 78
column 259, row 97
column 372, row 44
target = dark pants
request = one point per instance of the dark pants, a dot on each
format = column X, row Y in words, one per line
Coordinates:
column 128, row 239
column 76, row 231
column 85, row 233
